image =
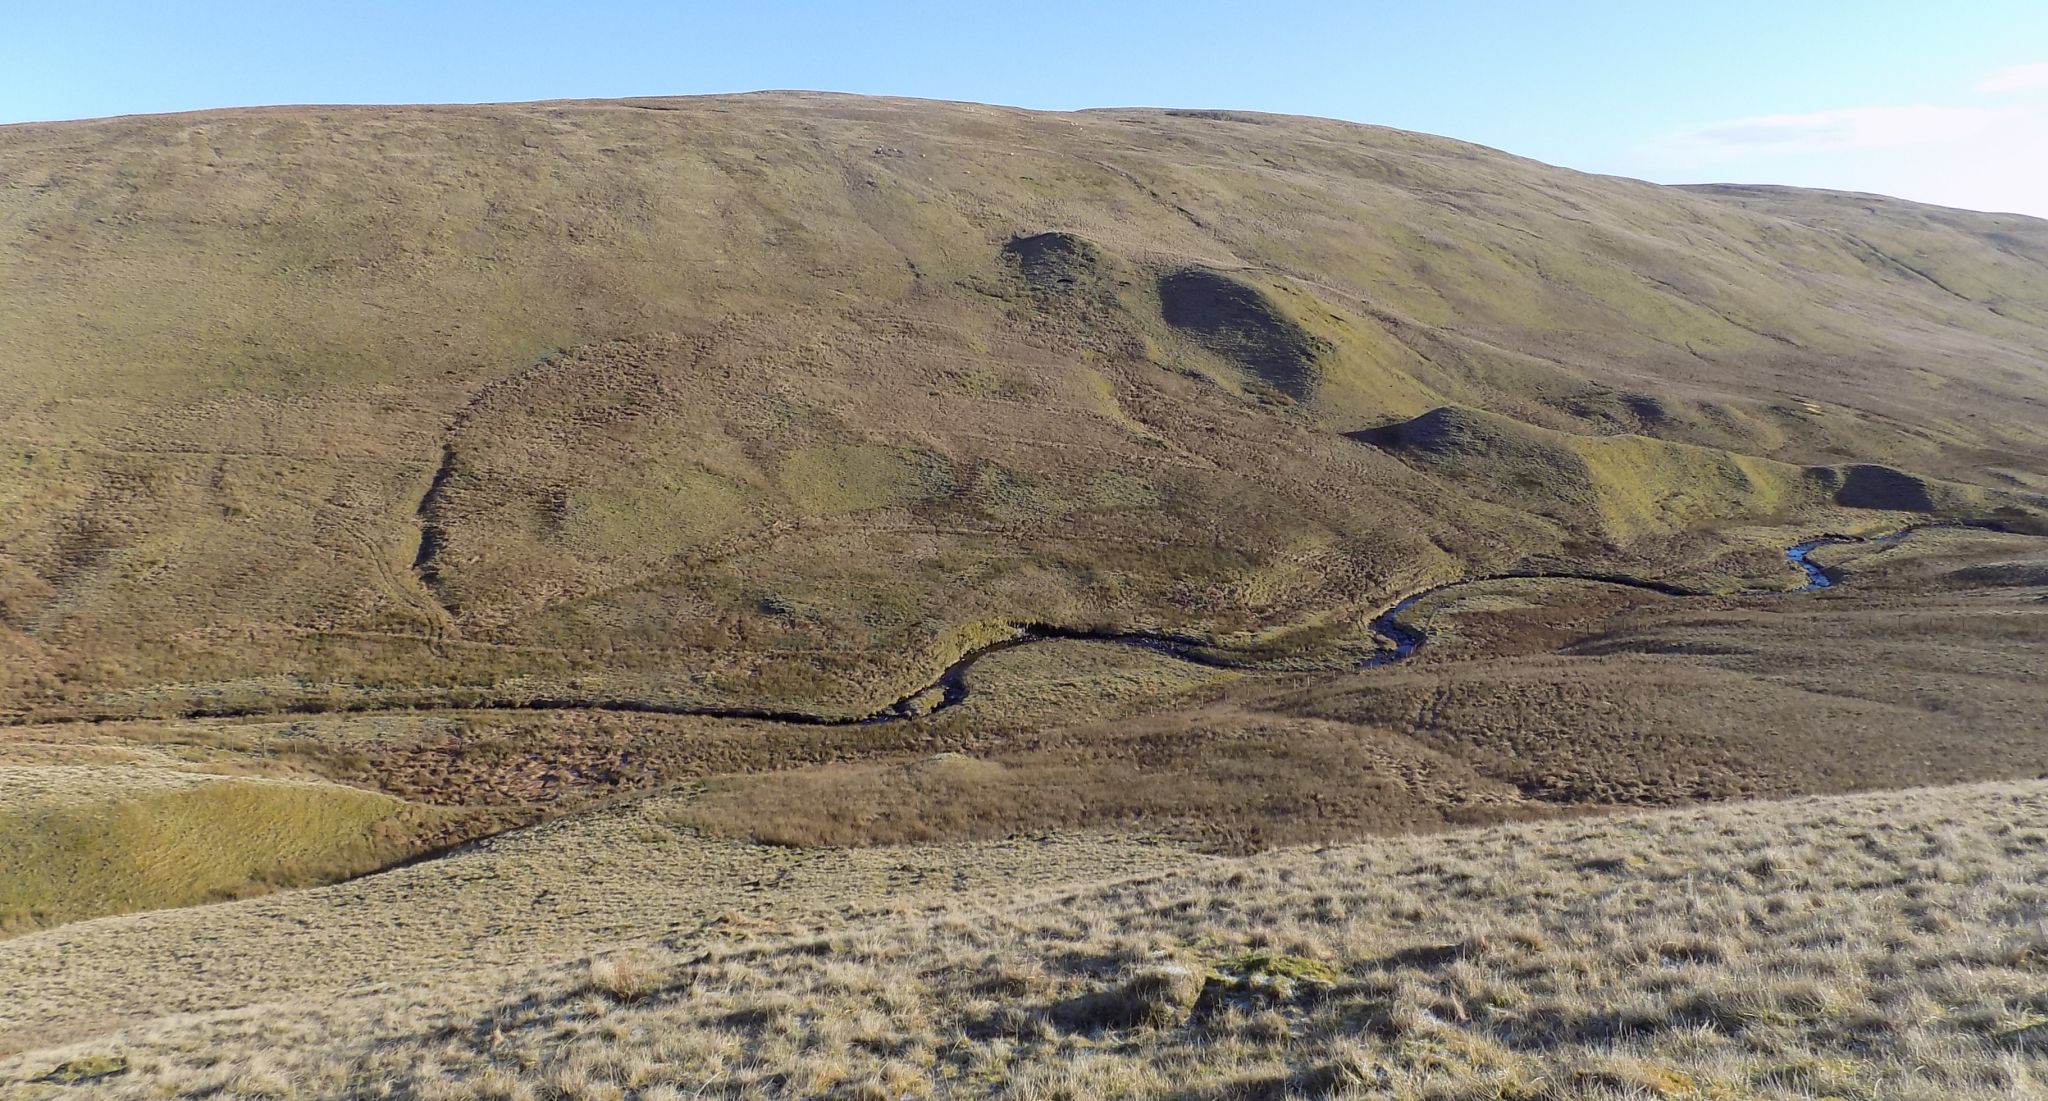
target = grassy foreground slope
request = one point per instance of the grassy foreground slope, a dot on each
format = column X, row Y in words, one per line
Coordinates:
column 487, row 915
column 787, row 399
column 1887, row 946
column 88, row 839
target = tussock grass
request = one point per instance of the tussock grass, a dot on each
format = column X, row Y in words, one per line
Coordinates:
column 594, row 885
column 78, row 841
column 1886, row 946
column 788, row 400
column 626, row 977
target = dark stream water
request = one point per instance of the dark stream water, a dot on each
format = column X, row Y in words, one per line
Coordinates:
column 1398, row 641
column 1817, row 577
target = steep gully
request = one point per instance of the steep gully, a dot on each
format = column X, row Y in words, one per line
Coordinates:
column 1399, row 640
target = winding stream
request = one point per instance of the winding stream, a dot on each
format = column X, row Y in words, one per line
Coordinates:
column 1398, row 642
column 1817, row 576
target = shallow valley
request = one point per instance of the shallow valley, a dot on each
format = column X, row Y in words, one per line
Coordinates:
column 482, row 586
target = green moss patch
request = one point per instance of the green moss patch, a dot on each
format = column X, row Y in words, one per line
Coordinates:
column 839, row 478
column 90, row 1068
column 1271, row 977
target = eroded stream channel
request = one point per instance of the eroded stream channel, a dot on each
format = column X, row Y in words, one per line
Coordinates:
column 1397, row 641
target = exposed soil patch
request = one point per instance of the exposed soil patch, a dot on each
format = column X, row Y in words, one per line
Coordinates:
column 1217, row 116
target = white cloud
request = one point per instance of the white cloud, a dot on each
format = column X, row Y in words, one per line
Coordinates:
column 1979, row 158
column 1833, row 131
column 2016, row 78
column 2005, row 175
column 1982, row 155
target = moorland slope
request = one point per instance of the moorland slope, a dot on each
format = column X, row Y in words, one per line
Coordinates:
column 386, row 476
column 786, row 399
column 1885, row 946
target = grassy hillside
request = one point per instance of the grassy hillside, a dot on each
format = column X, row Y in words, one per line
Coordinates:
column 1863, row 947
column 88, row 839
column 493, row 912
column 361, row 450
column 788, row 399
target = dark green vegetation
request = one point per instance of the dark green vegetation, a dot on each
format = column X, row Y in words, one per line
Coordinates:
column 89, row 1069
column 316, row 417
column 1237, row 323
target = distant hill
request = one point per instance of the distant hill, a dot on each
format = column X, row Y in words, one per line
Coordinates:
column 787, row 399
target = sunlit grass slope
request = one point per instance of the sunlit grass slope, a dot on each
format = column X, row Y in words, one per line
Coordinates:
column 1866, row 947
column 784, row 399
column 84, row 840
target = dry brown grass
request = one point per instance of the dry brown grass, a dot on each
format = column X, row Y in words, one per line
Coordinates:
column 1887, row 946
column 752, row 399
column 771, row 401
column 493, row 911
column 1532, row 698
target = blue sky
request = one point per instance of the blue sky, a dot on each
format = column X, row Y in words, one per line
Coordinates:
column 1940, row 102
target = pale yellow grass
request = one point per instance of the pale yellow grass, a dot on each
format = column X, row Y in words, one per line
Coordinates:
column 499, row 907
column 88, row 839
column 1886, row 946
